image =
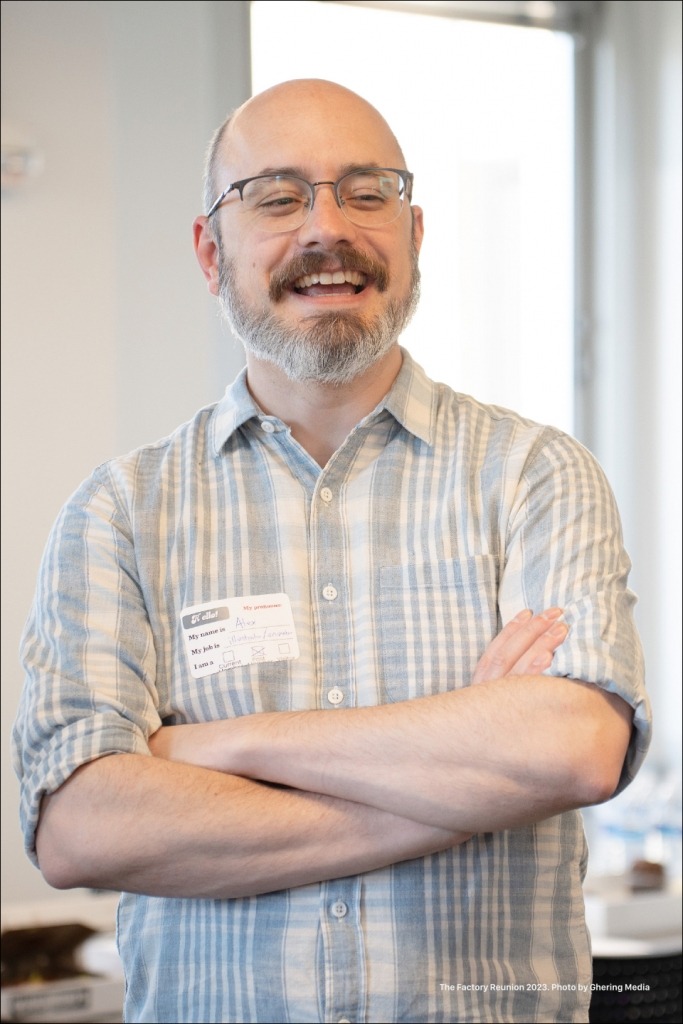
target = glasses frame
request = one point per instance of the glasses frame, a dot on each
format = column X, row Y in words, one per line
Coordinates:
column 238, row 186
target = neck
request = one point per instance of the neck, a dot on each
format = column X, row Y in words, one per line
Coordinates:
column 321, row 416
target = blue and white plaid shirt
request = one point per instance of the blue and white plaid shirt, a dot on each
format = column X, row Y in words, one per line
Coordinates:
column 436, row 521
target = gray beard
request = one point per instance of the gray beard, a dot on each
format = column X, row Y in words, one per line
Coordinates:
column 329, row 348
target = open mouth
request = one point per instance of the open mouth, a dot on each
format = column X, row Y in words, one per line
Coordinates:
column 333, row 282
column 319, row 274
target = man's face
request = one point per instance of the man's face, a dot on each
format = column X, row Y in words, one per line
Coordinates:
column 329, row 332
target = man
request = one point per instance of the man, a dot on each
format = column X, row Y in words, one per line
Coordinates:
column 286, row 602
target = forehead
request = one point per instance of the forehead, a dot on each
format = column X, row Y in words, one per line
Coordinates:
column 315, row 131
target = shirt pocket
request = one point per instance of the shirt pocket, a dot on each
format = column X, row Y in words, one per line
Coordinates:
column 436, row 620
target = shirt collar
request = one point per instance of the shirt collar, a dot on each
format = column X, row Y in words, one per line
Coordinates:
column 235, row 408
column 412, row 401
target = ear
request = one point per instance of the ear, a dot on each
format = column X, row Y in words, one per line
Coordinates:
column 418, row 226
column 206, row 251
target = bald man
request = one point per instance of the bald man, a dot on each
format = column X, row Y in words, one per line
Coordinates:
column 323, row 677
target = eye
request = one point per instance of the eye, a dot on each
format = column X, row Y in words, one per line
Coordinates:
column 275, row 197
column 369, row 191
column 364, row 198
column 279, row 202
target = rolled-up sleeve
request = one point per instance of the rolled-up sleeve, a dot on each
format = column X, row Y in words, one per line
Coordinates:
column 87, row 650
column 564, row 547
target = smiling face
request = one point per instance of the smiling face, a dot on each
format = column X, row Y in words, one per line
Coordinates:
column 326, row 300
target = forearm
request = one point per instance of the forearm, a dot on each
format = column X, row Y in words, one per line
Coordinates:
column 483, row 758
column 147, row 825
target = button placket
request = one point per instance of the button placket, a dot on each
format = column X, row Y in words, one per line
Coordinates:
column 328, row 545
column 343, row 950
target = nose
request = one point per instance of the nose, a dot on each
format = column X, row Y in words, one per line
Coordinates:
column 326, row 224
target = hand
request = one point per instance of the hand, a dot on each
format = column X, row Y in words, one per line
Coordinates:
column 524, row 647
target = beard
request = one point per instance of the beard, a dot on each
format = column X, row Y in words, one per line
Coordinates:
column 329, row 348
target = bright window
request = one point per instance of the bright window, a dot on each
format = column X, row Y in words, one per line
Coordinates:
column 484, row 115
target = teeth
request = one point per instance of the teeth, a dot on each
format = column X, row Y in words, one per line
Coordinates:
column 327, row 277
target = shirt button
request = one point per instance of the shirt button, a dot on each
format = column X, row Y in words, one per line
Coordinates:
column 326, row 495
column 268, row 427
column 339, row 909
column 330, row 592
column 335, row 695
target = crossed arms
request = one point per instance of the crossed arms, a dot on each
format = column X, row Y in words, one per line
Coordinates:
column 270, row 801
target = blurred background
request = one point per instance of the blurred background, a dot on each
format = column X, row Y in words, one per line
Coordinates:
column 545, row 139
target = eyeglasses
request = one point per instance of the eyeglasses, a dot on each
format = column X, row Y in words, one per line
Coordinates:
column 369, row 198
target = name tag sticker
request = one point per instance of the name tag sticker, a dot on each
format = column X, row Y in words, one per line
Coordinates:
column 238, row 631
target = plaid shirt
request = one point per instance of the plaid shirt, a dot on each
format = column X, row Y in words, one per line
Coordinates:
column 436, row 521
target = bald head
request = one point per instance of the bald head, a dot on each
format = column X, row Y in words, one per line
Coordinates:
column 310, row 113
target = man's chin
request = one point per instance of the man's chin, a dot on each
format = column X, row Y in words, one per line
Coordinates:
column 331, row 347
column 320, row 354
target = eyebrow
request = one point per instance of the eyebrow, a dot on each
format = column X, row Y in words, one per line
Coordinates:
column 298, row 172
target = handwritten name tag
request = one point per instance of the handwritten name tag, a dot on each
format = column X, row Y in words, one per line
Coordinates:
column 238, row 631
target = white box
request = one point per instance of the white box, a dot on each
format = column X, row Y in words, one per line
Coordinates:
column 636, row 915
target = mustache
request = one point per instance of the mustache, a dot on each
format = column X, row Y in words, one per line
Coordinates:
column 316, row 261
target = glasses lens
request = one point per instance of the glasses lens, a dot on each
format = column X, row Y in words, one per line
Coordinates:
column 371, row 197
column 280, row 203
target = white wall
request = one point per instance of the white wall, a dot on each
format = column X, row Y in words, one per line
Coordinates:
column 110, row 339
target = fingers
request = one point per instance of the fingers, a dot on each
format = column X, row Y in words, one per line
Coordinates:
column 539, row 656
column 524, row 646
